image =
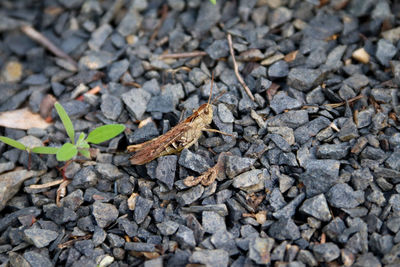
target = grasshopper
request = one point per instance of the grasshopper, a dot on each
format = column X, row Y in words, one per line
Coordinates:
column 181, row 136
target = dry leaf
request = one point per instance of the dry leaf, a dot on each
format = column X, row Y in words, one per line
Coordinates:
column 22, row 119
column 209, row 176
column 46, row 106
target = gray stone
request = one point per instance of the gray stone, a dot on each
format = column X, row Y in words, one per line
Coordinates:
column 136, row 102
column 320, row 176
column 95, row 60
column 73, row 200
column 99, row 36
column 189, row 196
column 222, row 239
column 343, row 196
column 334, row 151
column 104, row 214
column 364, row 117
column 211, row 258
column 326, row 252
column 142, row 208
column 161, row 103
column 236, row 165
column 393, row 161
column 117, row 69
column 259, row 250
column 130, row 23
column 168, row 227
column 385, row 51
column 348, row 131
column 140, row 247
column 283, row 229
column 290, row 209
column 310, row 129
column 193, row 161
column 225, row 114
column 212, row 221
column 152, row 87
column 85, row 178
column 36, row 259
column 6, row 166
column 357, row 81
column 108, row 171
column 39, row 237
column 279, row 69
column 218, row 49
column 282, row 101
column 280, row 142
column 279, row 16
column 144, row 133
column 111, row 106
column 367, row 260
column 165, row 171
column 317, row 207
column 291, row 119
column 185, row 237
column 248, row 179
column 304, row 79
column 60, row 215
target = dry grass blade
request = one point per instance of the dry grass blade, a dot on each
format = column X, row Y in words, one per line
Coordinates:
column 46, row 185
column 184, row 55
column 41, row 39
column 71, row 242
column 236, row 69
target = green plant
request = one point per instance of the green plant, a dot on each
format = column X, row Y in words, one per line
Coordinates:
column 71, row 149
column 214, row 2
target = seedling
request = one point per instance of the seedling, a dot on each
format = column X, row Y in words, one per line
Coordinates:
column 214, row 2
column 71, row 149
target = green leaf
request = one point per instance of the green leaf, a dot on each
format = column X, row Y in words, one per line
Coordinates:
column 214, row 2
column 45, row 150
column 66, row 121
column 66, row 152
column 85, row 153
column 80, row 140
column 104, row 133
column 13, row 143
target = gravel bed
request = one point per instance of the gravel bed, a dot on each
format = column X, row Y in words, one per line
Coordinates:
column 310, row 175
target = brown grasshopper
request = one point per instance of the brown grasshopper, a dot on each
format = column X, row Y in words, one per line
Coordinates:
column 183, row 135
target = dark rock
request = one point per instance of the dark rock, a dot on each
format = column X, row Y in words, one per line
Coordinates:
column 85, row 178
column 225, row 114
column 142, row 208
column 310, row 129
column 108, row 171
column 193, row 161
column 290, row 209
column 117, row 69
column 222, row 239
column 95, row 60
column 99, row 36
column 212, row 258
column 144, row 133
column 136, row 102
column 334, row 151
column 282, row 101
column 60, row 215
column 212, row 221
column 161, row 103
column 39, row 237
column 236, row 165
column 189, row 196
column 279, row 69
column 36, row 259
column 304, row 79
column 165, row 171
column 385, row 51
column 85, row 247
column 283, row 229
column 185, row 237
column 367, row 260
column 218, row 49
column 111, row 106
column 291, row 119
column 73, row 200
column 249, row 179
column 104, row 214
column 259, row 250
column 168, row 227
column 323, row 26
column 343, row 196
column 326, row 252
column 317, row 207
column 320, row 176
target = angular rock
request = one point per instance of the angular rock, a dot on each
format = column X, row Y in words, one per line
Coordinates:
column 212, row 258
column 40, row 237
column 317, row 207
column 136, row 102
column 343, row 196
column 104, row 214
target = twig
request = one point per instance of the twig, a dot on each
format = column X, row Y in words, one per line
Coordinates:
column 71, row 242
column 41, row 39
column 184, row 55
column 164, row 13
column 62, row 191
column 236, row 69
column 335, row 105
column 46, row 185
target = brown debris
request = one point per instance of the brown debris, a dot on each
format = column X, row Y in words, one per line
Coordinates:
column 209, row 176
